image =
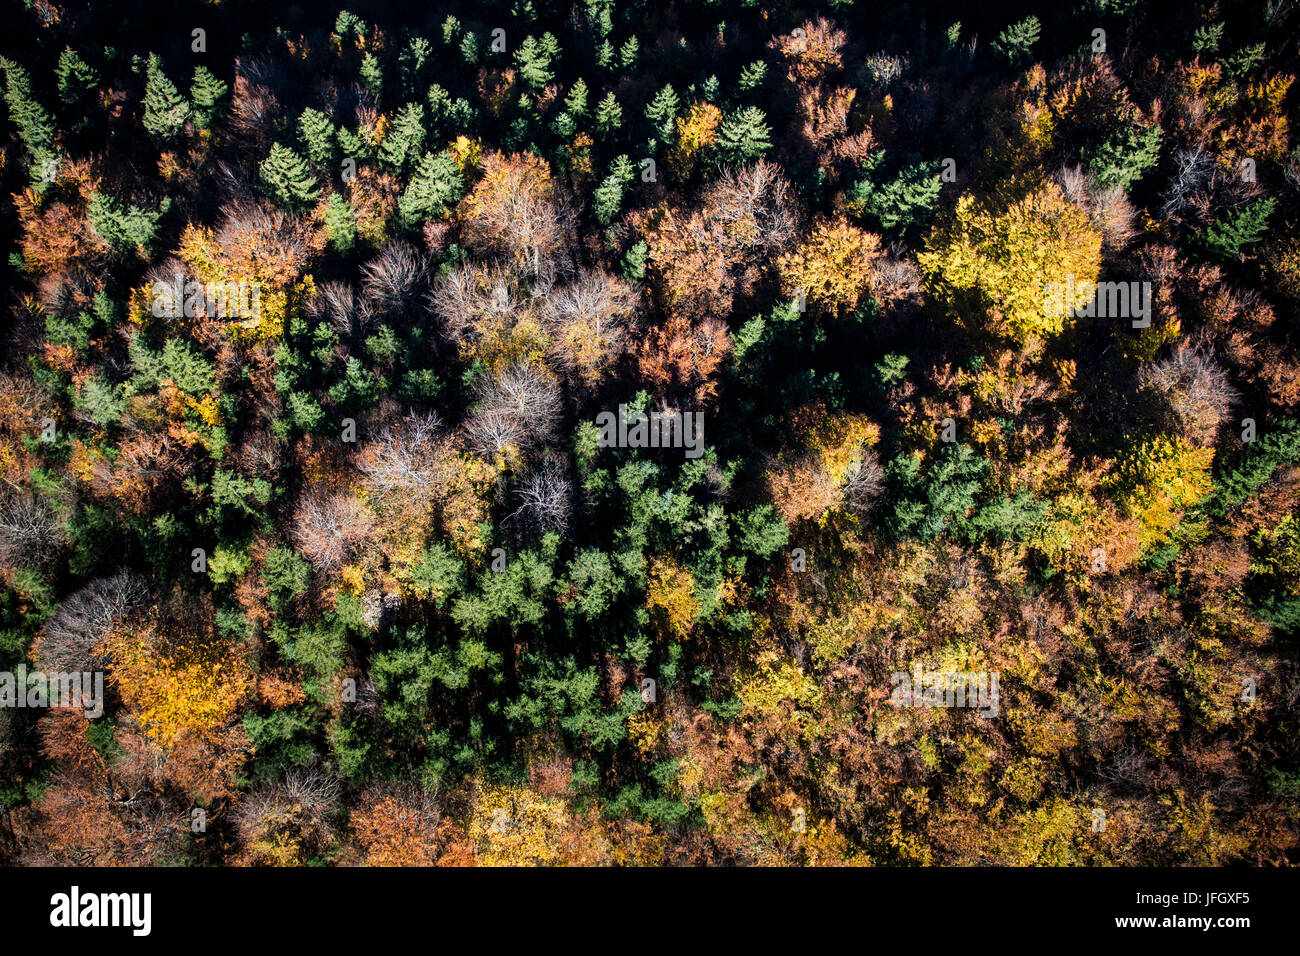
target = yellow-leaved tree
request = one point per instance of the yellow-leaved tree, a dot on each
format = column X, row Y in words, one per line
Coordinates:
column 178, row 687
column 834, row 267
column 1158, row 481
column 993, row 267
column 516, row 826
column 695, row 133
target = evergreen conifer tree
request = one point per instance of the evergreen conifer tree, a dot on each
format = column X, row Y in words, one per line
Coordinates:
column 287, row 179
column 165, row 110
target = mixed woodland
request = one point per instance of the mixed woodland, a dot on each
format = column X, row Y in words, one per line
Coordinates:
column 365, row 583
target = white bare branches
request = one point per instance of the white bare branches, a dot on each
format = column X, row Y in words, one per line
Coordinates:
column 405, row 460
column 395, row 279
column 472, row 299
column 758, row 198
column 595, row 300
column 1107, row 206
column 68, row 640
column 546, row 499
column 304, row 799
column 520, row 407
column 1194, row 393
column 1200, row 188
column 591, row 319
column 864, row 480
column 30, row 535
column 338, row 305
column 330, row 528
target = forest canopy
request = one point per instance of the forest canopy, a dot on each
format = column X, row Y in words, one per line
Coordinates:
column 626, row 433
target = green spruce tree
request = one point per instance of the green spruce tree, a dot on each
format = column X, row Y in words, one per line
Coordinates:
column 1015, row 44
column 609, row 115
column 78, row 81
column 435, row 187
column 608, row 196
column 536, row 58
column 341, row 223
column 744, row 136
column 206, row 93
column 35, row 128
column 662, row 112
column 165, row 110
column 405, row 138
column 317, row 135
column 287, row 179
column 372, row 75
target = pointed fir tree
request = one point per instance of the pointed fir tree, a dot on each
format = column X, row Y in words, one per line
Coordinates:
column 744, row 136
column 124, row 228
column 77, row 79
column 451, row 30
column 435, row 187
column 608, row 196
column 349, row 24
column 469, row 48
column 341, row 224
column 411, row 62
column 353, row 144
column 662, row 112
column 535, row 59
column 317, row 135
column 628, row 53
column 609, row 115
column 405, row 138
column 35, row 128
column 206, row 93
column 752, row 77
column 372, row 75
column 1241, row 226
column 1015, row 43
column 901, row 204
column 1125, row 155
column 165, row 110
column 287, row 179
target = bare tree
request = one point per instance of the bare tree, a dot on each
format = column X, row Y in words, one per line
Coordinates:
column 896, row 276
column 591, row 318
column 30, row 535
column 254, row 107
column 338, row 305
column 260, row 454
column 516, row 213
column 492, row 430
column 1114, row 215
column 303, row 801
column 405, row 460
column 69, row 639
column 864, row 480
column 329, row 529
column 546, row 499
column 521, row 406
column 760, row 195
column 1074, row 184
column 1195, row 394
column 472, row 299
column 395, row 279
column 1200, row 188
column 1108, row 207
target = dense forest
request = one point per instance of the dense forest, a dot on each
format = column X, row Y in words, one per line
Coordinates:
column 720, row 432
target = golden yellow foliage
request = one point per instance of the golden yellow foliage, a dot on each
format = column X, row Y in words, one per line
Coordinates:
column 696, row 131
column 177, row 689
column 671, row 592
column 834, row 267
column 997, row 264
